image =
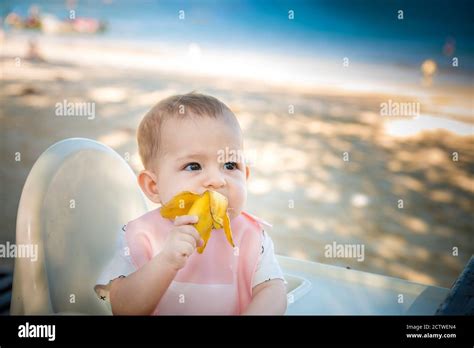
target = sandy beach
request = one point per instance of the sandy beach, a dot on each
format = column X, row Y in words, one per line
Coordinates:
column 333, row 170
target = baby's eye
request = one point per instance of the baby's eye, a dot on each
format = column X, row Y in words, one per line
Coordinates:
column 192, row 166
column 230, row 165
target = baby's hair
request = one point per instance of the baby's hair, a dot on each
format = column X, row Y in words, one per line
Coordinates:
column 181, row 105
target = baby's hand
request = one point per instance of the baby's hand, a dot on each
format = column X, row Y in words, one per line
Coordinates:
column 182, row 240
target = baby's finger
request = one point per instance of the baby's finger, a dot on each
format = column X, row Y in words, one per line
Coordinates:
column 191, row 230
column 200, row 242
column 185, row 220
column 187, row 248
column 185, row 237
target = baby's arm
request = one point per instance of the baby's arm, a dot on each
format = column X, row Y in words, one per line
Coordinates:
column 268, row 298
column 140, row 292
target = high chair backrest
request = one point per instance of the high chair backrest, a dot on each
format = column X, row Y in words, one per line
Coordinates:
column 76, row 198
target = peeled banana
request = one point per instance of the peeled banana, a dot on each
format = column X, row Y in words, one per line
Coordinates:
column 210, row 207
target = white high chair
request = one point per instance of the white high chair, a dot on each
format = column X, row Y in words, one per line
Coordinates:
column 78, row 195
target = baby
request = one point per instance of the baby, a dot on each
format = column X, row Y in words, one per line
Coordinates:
column 185, row 143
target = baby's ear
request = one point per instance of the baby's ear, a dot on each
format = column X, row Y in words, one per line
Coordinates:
column 148, row 183
column 247, row 172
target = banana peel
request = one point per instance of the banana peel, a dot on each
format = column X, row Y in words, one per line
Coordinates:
column 211, row 209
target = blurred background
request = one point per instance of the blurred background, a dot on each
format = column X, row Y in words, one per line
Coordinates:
column 310, row 82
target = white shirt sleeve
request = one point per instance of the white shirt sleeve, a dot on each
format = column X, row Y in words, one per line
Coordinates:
column 120, row 265
column 267, row 267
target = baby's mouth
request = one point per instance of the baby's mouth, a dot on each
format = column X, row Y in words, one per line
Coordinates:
column 211, row 208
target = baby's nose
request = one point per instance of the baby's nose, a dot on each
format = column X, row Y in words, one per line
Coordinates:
column 214, row 180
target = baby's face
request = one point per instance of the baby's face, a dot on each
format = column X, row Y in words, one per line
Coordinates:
column 199, row 154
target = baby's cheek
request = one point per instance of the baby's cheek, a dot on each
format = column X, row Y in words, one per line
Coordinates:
column 237, row 200
column 172, row 185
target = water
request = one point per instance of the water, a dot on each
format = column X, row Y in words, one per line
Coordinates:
column 366, row 31
column 356, row 28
